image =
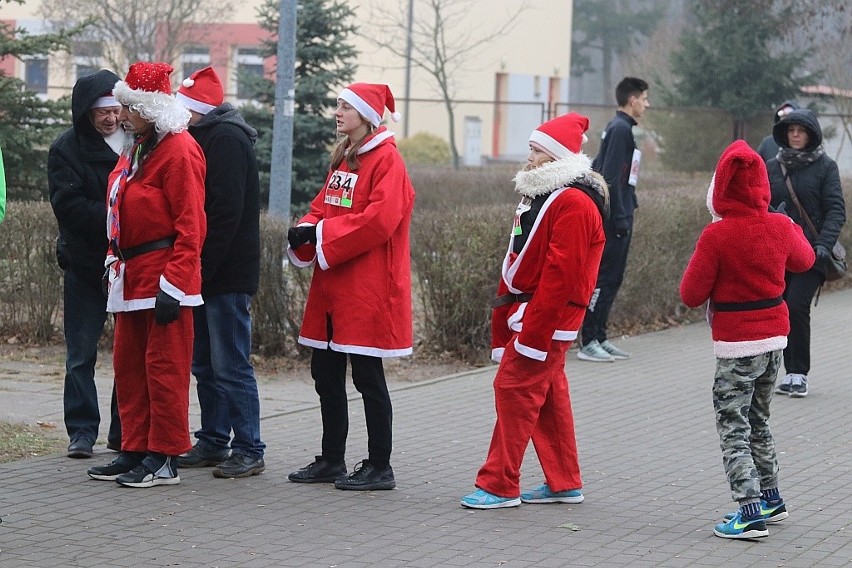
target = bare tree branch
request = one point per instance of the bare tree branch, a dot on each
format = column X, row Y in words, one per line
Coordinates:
column 440, row 45
column 132, row 30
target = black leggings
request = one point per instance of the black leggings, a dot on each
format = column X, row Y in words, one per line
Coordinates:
column 328, row 369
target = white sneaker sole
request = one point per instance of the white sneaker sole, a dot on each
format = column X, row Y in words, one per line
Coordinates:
column 585, row 357
column 502, row 505
column 570, row 500
column 151, row 482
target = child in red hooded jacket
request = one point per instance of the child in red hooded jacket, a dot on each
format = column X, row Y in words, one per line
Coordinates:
column 739, row 265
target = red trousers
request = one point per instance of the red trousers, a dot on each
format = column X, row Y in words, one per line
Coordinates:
column 532, row 403
column 152, row 367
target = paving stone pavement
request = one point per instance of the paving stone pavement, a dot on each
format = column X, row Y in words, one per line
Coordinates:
column 653, row 479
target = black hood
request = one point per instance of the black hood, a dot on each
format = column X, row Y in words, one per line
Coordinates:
column 226, row 114
column 86, row 91
column 803, row 117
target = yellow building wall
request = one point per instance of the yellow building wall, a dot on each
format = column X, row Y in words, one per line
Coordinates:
column 537, row 42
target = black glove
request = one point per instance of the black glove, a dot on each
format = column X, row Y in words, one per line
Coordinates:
column 166, row 309
column 622, row 228
column 782, row 208
column 297, row 236
column 105, row 283
column 823, row 255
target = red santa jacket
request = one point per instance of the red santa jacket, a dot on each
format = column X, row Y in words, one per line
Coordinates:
column 558, row 264
column 163, row 198
column 740, row 259
column 362, row 277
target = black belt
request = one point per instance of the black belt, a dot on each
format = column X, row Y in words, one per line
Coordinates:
column 126, row 254
column 509, row 299
column 747, row 306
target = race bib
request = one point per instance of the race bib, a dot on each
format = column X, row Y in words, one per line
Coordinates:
column 340, row 188
column 634, row 167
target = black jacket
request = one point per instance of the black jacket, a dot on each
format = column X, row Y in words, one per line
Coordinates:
column 230, row 258
column 817, row 184
column 78, row 166
column 613, row 163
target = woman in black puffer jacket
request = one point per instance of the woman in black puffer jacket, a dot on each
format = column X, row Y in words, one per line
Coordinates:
column 816, row 181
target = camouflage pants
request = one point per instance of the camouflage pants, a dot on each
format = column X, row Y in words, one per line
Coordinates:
column 742, row 391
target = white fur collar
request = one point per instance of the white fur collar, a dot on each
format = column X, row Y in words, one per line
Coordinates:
column 552, row 175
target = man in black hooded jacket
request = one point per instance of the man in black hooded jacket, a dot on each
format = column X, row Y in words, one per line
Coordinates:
column 79, row 163
column 230, row 272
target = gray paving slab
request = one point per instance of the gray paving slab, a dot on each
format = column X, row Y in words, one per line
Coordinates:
column 653, row 479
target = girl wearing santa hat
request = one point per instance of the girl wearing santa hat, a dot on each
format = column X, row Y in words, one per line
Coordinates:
column 548, row 276
column 359, row 304
column 156, row 226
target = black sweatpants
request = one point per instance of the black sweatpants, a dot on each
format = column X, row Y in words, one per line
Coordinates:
column 610, row 277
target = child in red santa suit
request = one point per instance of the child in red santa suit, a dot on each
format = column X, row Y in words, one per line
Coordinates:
column 548, row 277
column 359, row 303
column 738, row 265
column 156, row 226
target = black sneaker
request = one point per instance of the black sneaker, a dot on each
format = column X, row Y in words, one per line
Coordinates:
column 80, row 448
column 125, row 462
column 202, row 457
column 320, row 471
column 239, row 465
column 151, row 471
column 367, row 477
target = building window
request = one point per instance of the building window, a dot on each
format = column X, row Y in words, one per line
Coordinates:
column 87, row 57
column 194, row 58
column 249, row 65
column 35, row 74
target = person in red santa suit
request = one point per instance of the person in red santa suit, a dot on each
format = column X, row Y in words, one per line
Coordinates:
column 739, row 265
column 548, row 276
column 156, row 226
column 359, row 303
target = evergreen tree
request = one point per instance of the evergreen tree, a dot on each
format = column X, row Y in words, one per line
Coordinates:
column 324, row 64
column 732, row 59
column 611, row 28
column 28, row 124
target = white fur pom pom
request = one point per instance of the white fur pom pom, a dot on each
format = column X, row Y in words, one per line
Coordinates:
column 188, row 82
column 396, row 116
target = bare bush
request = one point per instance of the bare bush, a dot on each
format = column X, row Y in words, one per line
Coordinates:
column 31, row 291
column 457, row 255
column 280, row 301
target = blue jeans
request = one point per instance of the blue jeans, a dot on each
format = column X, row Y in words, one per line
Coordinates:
column 84, row 318
column 227, row 388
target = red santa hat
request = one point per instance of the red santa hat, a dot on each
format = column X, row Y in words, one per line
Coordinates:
column 202, row 91
column 370, row 100
column 561, row 136
column 147, row 90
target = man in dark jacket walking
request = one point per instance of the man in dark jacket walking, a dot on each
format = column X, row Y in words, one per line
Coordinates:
column 79, row 162
column 230, row 272
column 618, row 162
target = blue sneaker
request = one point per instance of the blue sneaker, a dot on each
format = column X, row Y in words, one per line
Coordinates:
column 738, row 528
column 543, row 494
column 480, row 499
column 769, row 513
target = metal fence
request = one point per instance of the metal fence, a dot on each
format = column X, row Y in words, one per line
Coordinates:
column 673, row 137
